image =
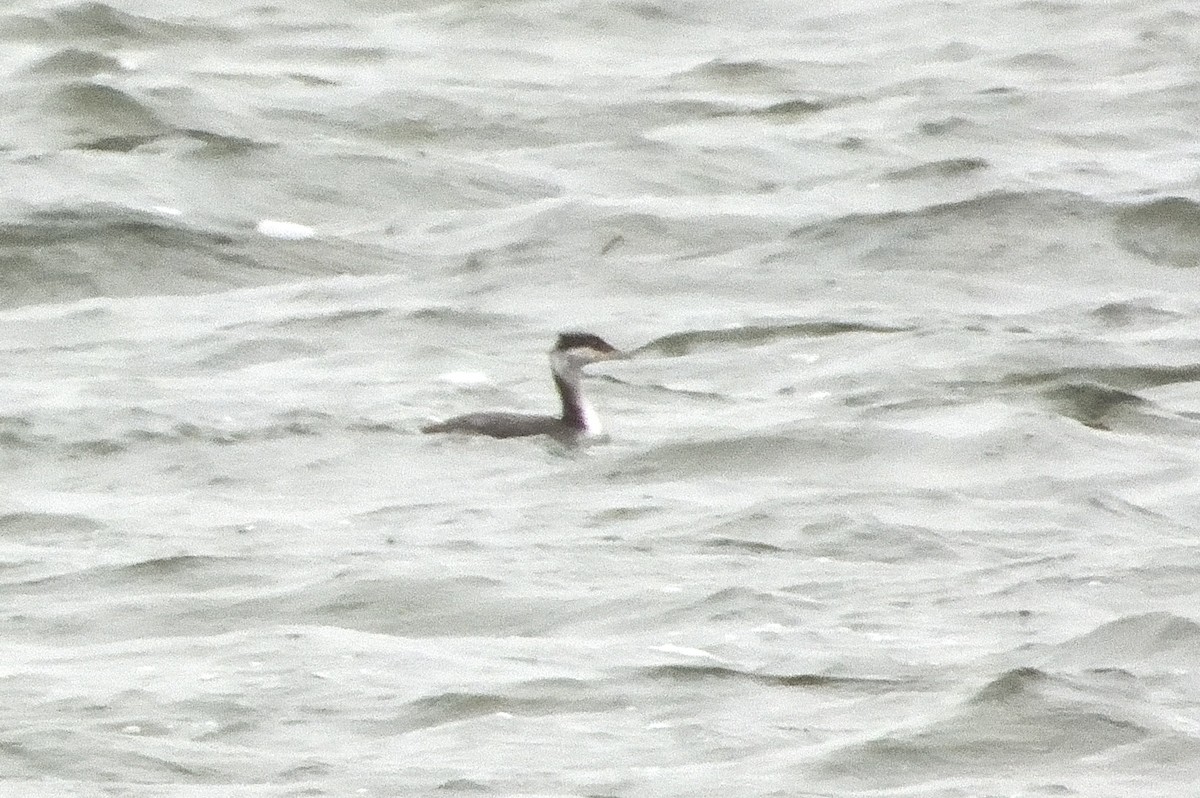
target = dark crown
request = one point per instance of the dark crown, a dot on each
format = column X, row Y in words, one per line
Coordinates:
column 582, row 340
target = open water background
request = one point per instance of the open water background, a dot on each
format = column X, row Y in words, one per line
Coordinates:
column 901, row 491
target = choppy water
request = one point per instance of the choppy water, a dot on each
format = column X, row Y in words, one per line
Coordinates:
column 901, row 490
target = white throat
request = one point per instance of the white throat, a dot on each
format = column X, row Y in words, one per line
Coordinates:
column 591, row 421
column 560, row 364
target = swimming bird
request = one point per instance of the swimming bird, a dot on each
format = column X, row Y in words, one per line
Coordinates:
column 571, row 352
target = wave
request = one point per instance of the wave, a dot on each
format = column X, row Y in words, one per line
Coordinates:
column 741, row 454
column 1132, row 313
column 1091, row 404
column 990, row 209
column 536, row 238
column 75, row 62
column 940, row 169
column 738, row 606
column 1107, row 398
column 87, row 21
column 737, row 544
column 770, row 528
column 72, row 252
column 136, row 427
column 743, row 74
column 106, row 113
column 691, row 674
column 685, row 343
column 86, row 104
column 1165, row 231
column 166, row 575
column 35, row 528
column 1024, row 718
column 785, row 109
column 534, row 698
column 1155, row 641
column 820, row 452
column 199, row 595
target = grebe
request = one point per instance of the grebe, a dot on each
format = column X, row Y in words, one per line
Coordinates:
column 570, row 354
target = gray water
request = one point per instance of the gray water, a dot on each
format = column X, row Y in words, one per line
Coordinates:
column 900, row 490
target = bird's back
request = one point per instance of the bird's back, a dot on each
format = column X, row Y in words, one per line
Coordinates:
column 502, row 425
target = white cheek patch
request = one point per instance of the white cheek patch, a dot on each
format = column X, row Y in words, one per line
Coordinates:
column 559, row 362
column 575, row 358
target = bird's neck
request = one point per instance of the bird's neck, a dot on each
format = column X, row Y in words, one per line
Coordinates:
column 577, row 412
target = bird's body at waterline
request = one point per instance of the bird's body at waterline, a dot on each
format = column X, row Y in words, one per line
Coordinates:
column 578, row 421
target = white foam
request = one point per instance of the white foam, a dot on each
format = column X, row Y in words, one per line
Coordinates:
column 288, row 231
column 465, row 378
column 684, row 651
